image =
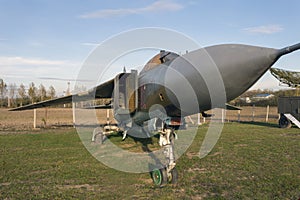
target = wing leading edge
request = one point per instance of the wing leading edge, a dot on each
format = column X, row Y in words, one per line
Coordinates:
column 103, row 90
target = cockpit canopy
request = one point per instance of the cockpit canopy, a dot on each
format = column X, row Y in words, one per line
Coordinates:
column 164, row 57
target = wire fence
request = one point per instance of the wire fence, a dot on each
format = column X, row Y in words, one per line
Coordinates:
column 63, row 117
column 247, row 114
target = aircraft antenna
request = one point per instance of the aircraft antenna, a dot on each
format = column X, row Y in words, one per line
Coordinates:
column 289, row 49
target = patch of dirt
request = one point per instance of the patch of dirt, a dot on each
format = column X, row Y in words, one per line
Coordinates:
column 198, row 170
column 290, row 135
column 147, row 181
column 241, row 145
column 199, row 197
column 190, row 155
column 82, row 186
column 39, row 172
column 5, row 184
column 215, row 154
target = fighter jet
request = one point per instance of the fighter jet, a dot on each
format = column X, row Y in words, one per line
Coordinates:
column 177, row 86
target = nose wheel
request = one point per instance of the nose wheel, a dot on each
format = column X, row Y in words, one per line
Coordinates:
column 161, row 177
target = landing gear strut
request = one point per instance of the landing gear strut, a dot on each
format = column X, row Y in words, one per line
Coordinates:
column 169, row 173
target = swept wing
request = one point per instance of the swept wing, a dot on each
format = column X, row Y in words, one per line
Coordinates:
column 103, row 90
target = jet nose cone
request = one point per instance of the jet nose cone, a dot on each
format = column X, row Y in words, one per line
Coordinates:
column 220, row 71
column 223, row 71
column 241, row 65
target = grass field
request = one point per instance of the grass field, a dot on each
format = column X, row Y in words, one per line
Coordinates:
column 250, row 161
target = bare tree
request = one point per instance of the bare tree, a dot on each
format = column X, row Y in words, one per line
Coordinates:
column 22, row 93
column 11, row 94
column 3, row 91
column 32, row 92
column 51, row 92
column 42, row 93
column 79, row 88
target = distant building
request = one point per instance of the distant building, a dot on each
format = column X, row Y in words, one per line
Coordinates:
column 256, row 98
column 262, row 97
column 246, row 99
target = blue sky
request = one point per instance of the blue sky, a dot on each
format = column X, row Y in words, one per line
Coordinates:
column 51, row 38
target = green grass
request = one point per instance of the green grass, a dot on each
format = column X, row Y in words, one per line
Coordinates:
column 250, row 161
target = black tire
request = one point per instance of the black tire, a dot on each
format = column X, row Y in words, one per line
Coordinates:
column 284, row 122
column 159, row 177
column 174, row 176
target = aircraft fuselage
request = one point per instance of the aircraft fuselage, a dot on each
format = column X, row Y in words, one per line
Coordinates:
column 202, row 76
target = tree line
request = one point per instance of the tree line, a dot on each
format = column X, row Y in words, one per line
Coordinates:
column 12, row 95
column 272, row 101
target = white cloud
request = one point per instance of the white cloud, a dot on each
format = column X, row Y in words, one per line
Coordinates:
column 17, row 69
column 35, row 44
column 34, row 67
column 16, row 60
column 157, row 6
column 90, row 44
column 267, row 29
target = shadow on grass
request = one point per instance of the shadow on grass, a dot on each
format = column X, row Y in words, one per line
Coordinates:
column 264, row 124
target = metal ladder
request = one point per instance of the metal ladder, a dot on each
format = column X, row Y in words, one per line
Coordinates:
column 293, row 119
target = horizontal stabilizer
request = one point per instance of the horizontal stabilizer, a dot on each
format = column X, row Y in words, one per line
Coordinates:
column 231, row 107
column 99, row 107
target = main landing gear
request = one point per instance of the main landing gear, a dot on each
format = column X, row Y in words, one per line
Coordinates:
column 160, row 177
column 169, row 173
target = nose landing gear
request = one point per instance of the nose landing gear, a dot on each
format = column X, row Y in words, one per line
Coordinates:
column 169, row 173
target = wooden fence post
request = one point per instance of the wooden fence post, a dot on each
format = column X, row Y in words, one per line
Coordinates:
column 199, row 122
column 253, row 112
column 73, row 112
column 34, row 118
column 223, row 115
column 267, row 115
column 107, row 116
